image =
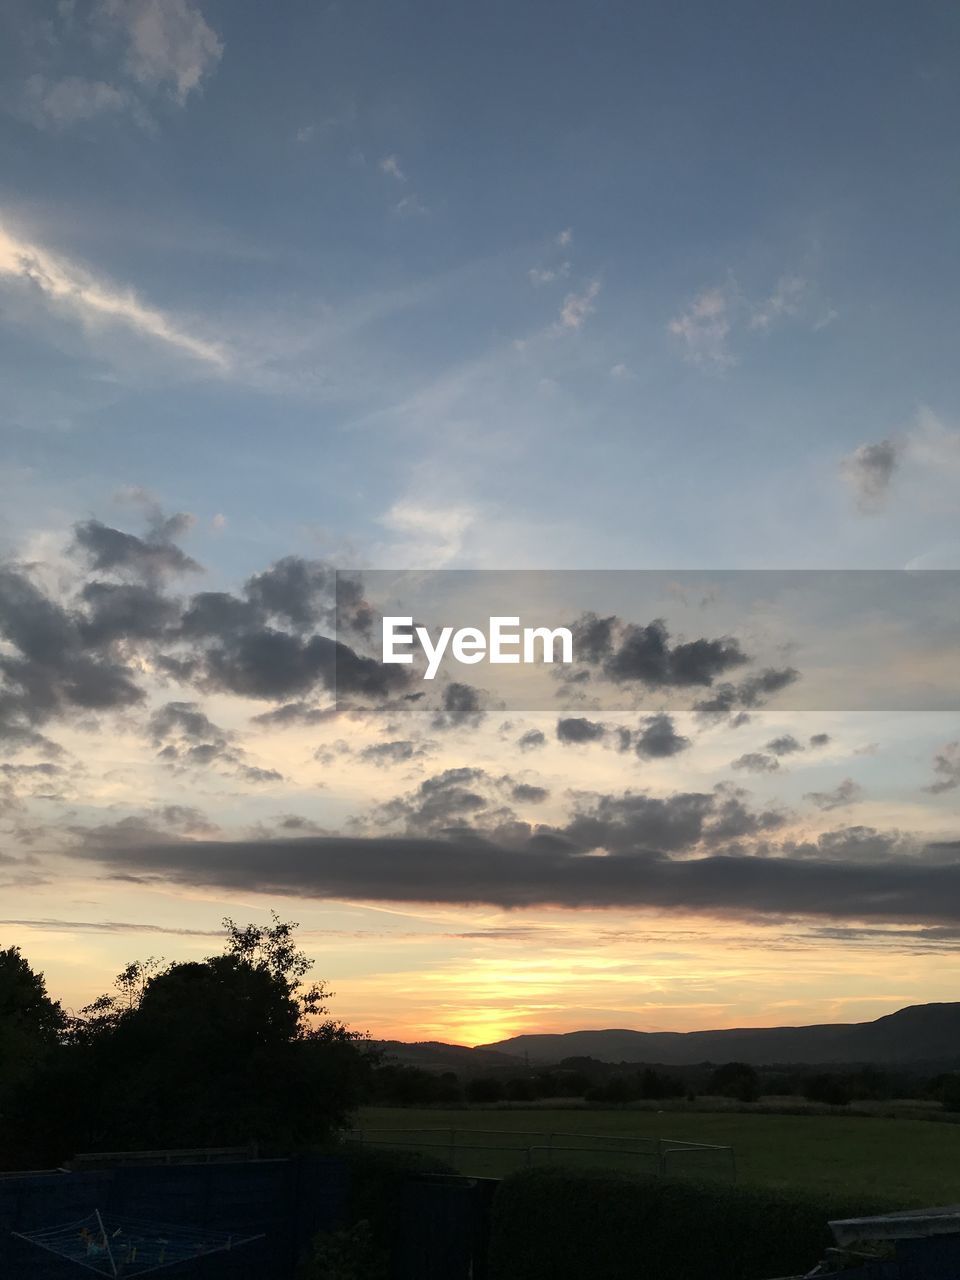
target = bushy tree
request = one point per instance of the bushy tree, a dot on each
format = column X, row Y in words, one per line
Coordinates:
column 225, row 1051
column 31, row 1024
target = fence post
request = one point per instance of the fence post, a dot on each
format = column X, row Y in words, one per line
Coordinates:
column 453, row 1147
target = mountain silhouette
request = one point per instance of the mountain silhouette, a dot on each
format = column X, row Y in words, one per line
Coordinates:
column 920, row 1033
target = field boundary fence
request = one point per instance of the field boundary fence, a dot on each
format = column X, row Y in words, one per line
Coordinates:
column 468, row 1150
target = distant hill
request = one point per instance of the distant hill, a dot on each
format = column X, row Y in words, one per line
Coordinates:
column 928, row 1033
column 433, row 1055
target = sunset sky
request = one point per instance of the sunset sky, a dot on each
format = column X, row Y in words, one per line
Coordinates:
column 296, row 288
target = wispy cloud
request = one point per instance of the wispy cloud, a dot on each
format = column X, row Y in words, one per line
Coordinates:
column 428, row 536
column 704, row 328
column 718, row 319
column 578, row 306
column 67, row 287
column 547, row 275
column 144, row 49
column 169, row 44
column 391, row 166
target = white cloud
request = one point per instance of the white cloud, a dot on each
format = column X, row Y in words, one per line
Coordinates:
column 57, row 104
column 716, row 318
column 391, row 165
column 428, row 536
column 547, row 275
column 787, row 299
column 67, row 287
column 411, row 206
column 704, row 329
column 565, row 237
column 169, row 43
column 577, row 306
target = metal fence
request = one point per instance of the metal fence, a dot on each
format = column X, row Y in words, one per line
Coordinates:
column 493, row 1152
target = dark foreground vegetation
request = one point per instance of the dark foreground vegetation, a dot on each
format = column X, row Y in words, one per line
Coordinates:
column 231, row 1050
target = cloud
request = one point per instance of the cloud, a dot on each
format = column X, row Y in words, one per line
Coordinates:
column 578, row 306
column 187, row 737
column 399, row 751
column 845, row 793
column 946, row 766
column 728, row 701
column 529, row 793
column 532, row 740
column 429, row 536
column 69, row 289
column 60, row 104
column 786, row 300
column 719, row 319
column 869, row 471
column 92, row 648
column 657, row 738
column 169, row 44
column 625, row 652
column 578, row 729
column 460, row 705
column 837, row 879
column 150, row 558
column 785, row 745
column 704, row 328
column 547, row 275
column 391, row 166
column 756, row 762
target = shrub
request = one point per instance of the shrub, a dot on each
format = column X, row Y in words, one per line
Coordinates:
column 350, row 1254
column 556, row 1224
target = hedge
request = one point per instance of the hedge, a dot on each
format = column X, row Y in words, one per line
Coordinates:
column 557, row 1224
column 363, row 1244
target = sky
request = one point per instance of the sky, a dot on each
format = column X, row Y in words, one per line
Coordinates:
column 300, row 288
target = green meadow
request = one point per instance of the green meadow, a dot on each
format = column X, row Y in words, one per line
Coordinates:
column 914, row 1161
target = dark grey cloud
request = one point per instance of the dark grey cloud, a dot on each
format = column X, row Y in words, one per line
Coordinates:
column 845, row 793
column 528, row 793
column 657, row 738
column 150, row 558
column 785, row 745
column 186, row 737
column 756, row 762
column 446, row 799
column 578, row 729
column 866, row 845
column 627, row 652
column 399, row 751
column 470, row 867
column 732, row 701
column 51, row 669
column 870, row 470
column 460, row 704
column 946, row 765
column 532, row 740
column 819, row 739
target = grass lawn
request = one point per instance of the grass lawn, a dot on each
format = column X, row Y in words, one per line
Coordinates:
column 913, row 1161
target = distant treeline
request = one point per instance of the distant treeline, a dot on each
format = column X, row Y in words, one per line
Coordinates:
column 399, row 1084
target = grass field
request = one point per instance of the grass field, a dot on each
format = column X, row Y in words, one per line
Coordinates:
column 913, row 1161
